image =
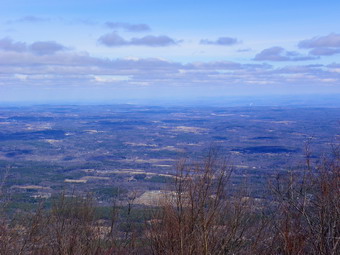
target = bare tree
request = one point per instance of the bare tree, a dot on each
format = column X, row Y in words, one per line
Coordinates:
column 308, row 211
column 200, row 215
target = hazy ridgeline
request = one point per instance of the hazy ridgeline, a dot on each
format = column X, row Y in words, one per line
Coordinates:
column 202, row 212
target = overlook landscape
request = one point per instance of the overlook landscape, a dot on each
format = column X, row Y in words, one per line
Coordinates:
column 55, row 148
column 169, row 127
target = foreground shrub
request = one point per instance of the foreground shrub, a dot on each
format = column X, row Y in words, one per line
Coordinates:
column 200, row 215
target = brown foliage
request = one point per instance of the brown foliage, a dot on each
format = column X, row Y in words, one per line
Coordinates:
column 203, row 213
column 308, row 211
column 200, row 216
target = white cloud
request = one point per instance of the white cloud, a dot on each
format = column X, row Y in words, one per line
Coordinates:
column 322, row 45
column 114, row 40
column 280, row 54
column 38, row 48
column 111, row 78
column 72, row 69
column 128, row 27
column 222, row 41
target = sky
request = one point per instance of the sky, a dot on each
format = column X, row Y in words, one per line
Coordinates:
column 126, row 50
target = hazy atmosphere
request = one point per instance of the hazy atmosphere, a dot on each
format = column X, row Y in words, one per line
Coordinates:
column 156, row 127
column 120, row 51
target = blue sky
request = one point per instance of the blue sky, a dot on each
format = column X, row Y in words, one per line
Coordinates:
column 144, row 49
